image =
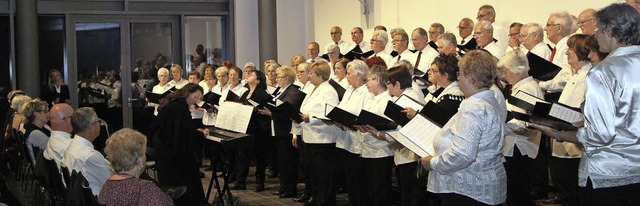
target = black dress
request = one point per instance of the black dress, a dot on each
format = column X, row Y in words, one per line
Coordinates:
column 51, row 96
column 176, row 141
column 260, row 129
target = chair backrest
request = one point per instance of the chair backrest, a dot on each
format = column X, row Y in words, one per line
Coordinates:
column 78, row 191
column 54, row 181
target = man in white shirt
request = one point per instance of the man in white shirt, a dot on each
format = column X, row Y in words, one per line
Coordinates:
column 435, row 31
column 313, row 51
column 483, row 33
column 465, row 29
column 357, row 37
column 379, row 41
column 514, row 41
column 531, row 37
column 336, row 38
column 81, row 156
column 60, row 132
column 587, row 21
column 558, row 29
column 447, row 44
column 424, row 53
column 488, row 13
column 401, row 45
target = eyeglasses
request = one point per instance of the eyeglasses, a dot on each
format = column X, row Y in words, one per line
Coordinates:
column 550, row 25
column 335, row 33
column 352, row 33
column 514, row 35
column 374, row 40
column 398, row 41
column 462, row 27
column 580, row 23
column 482, row 16
column 477, row 33
column 522, row 36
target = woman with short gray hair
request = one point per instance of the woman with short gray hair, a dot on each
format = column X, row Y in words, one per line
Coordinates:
column 126, row 152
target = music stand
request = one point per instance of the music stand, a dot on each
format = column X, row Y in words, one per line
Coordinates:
column 222, row 136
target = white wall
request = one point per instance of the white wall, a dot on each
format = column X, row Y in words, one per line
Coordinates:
column 246, row 32
column 295, row 28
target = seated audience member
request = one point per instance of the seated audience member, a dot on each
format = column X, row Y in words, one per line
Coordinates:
column 80, row 155
column 18, row 120
column 61, row 129
column 126, row 152
column 37, row 115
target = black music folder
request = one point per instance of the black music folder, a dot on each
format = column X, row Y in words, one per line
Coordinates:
column 155, row 98
column 524, row 100
column 340, row 116
column 287, row 109
column 232, row 96
column 554, row 115
column 211, row 98
column 376, row 121
column 470, row 45
column 358, row 55
column 339, row 89
column 540, row 68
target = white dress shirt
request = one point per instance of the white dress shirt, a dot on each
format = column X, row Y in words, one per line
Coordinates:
column 527, row 144
column 384, row 56
column 352, row 102
column 178, row 84
column 542, row 50
column 426, row 58
column 501, row 33
column 560, row 59
column 364, row 46
column 573, row 96
column 318, row 58
column 373, row 147
column 405, row 55
column 344, row 82
column 402, row 155
column 315, row 131
column 56, row 146
column 81, row 156
column 494, row 50
column 468, row 159
column 344, row 46
column 610, row 133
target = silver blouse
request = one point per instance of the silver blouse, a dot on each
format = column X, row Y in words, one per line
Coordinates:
column 611, row 131
column 468, row 159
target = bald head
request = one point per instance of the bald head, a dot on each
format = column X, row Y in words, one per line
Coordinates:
column 59, row 116
column 587, row 22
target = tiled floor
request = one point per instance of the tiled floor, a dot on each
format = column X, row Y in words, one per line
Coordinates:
column 249, row 197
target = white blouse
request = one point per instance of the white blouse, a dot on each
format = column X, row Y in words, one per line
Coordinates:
column 573, row 96
column 315, row 131
column 468, row 159
column 529, row 142
column 373, row 147
column 352, row 102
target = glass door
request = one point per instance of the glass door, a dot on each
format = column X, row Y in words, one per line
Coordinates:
column 110, row 58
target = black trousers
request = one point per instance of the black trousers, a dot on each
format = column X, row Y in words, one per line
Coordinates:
column 539, row 169
column 410, row 192
column 305, row 166
column 263, row 144
column 239, row 157
column 322, row 160
column 288, row 164
column 377, row 174
column 564, row 173
column 353, row 171
column 453, row 199
column 518, row 182
column 626, row 195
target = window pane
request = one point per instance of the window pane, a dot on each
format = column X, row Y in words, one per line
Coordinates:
column 5, row 48
column 208, row 32
column 51, row 52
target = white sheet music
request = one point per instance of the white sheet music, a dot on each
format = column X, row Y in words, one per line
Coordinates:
column 404, row 101
column 418, row 135
column 234, row 116
column 528, row 97
column 566, row 114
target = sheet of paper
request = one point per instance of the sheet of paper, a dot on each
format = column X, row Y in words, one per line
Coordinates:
column 404, row 101
column 565, row 114
column 528, row 98
column 234, row 116
column 421, row 131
